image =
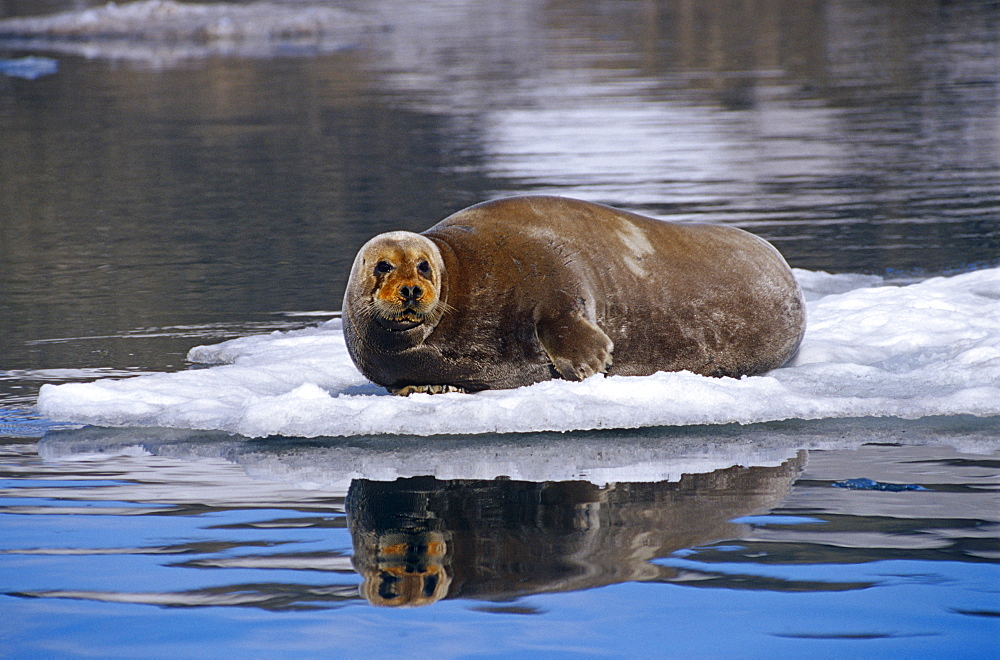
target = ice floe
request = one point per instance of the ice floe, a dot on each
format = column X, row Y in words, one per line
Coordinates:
column 29, row 67
column 925, row 349
column 164, row 31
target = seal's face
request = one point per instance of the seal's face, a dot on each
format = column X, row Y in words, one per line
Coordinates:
column 398, row 278
column 403, row 568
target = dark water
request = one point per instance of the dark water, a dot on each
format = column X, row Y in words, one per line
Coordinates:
column 156, row 196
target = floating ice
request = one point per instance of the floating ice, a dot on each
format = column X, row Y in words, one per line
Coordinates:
column 29, row 67
column 163, row 30
column 167, row 20
column 925, row 349
column 864, row 483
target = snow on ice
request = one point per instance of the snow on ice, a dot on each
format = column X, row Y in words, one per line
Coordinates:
column 871, row 350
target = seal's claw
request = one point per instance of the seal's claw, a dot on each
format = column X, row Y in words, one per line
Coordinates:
column 576, row 346
column 425, row 389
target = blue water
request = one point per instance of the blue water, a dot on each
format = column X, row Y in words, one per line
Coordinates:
column 263, row 566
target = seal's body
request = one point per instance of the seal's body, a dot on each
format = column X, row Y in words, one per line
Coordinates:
column 520, row 290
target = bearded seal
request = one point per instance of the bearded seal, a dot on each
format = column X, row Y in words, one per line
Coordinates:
column 520, row 290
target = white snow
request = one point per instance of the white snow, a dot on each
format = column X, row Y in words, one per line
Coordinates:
column 871, row 350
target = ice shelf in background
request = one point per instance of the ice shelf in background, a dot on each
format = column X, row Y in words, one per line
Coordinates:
column 162, row 32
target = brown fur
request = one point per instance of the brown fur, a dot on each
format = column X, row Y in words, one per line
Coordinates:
column 521, row 290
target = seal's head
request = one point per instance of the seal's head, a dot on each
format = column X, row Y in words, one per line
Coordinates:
column 396, row 282
column 403, row 568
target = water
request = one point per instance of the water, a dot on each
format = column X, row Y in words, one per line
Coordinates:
column 161, row 194
column 171, row 543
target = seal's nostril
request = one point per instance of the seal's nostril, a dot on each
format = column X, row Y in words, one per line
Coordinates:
column 408, row 292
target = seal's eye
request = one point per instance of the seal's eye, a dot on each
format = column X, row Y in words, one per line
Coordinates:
column 424, row 268
column 383, row 267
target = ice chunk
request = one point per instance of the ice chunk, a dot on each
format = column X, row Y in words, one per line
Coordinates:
column 162, row 32
column 864, row 483
column 925, row 349
column 166, row 20
column 29, row 67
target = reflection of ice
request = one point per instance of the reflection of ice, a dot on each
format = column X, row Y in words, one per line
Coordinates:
column 605, row 142
column 600, row 457
column 29, row 67
column 931, row 348
column 465, row 537
column 545, row 528
column 164, row 31
column 605, row 149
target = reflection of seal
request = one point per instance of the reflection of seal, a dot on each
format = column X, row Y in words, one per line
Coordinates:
column 516, row 291
column 406, row 568
column 418, row 540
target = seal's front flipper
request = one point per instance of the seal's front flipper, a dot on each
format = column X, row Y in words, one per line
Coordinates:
column 577, row 348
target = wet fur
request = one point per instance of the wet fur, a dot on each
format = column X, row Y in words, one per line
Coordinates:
column 534, row 288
